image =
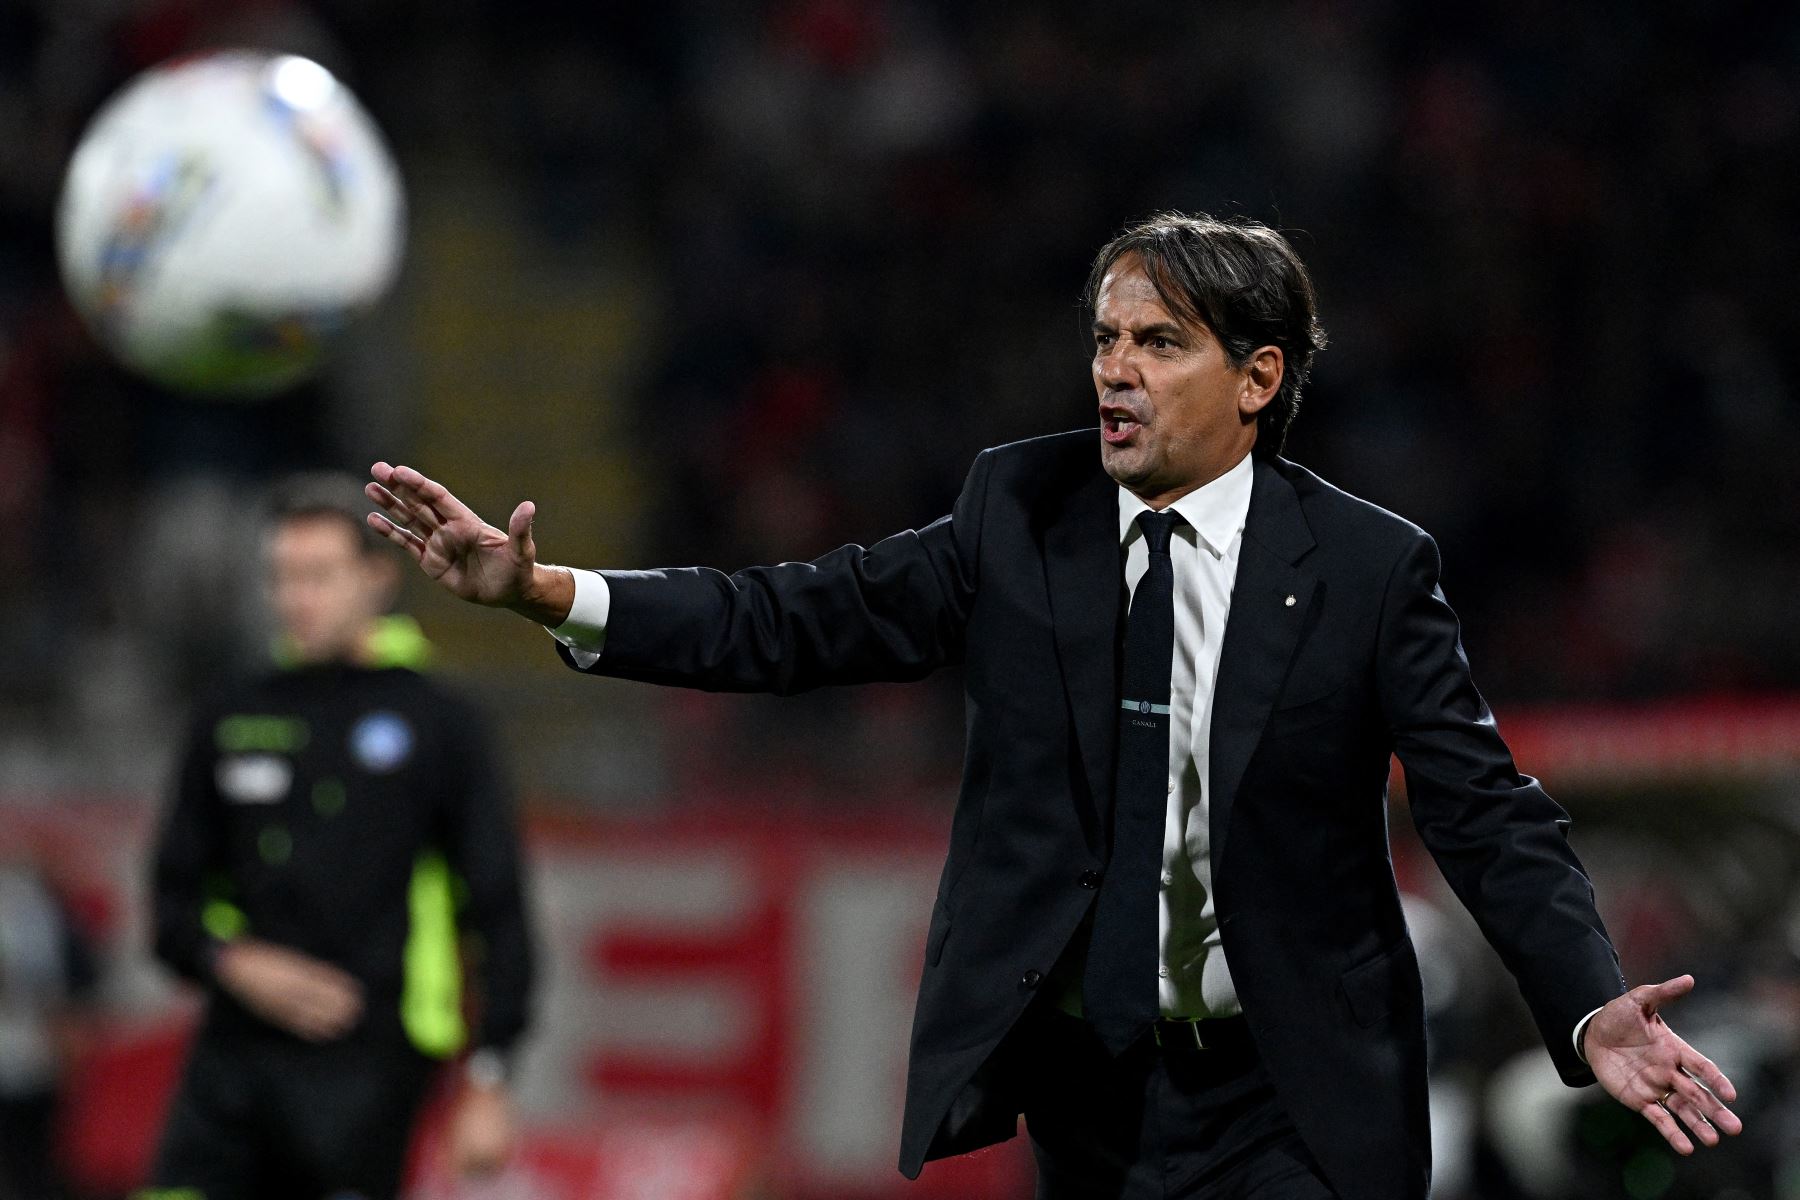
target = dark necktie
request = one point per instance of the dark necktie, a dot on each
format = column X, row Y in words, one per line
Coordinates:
column 1118, row 986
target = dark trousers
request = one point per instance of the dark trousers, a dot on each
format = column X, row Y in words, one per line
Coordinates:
column 1164, row 1121
column 264, row 1116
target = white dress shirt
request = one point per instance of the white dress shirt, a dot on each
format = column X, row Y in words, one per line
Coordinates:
column 584, row 630
column 1193, row 979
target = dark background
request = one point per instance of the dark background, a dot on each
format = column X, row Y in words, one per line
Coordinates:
column 806, row 259
column 719, row 283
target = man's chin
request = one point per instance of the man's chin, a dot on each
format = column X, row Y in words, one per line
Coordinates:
column 1128, row 465
column 312, row 652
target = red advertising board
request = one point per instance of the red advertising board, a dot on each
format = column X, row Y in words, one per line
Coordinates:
column 723, row 1007
column 726, row 994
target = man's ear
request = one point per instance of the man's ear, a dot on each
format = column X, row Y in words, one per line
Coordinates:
column 1262, row 379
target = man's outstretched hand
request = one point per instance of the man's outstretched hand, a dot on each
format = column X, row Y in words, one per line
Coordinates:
column 1640, row 1061
column 471, row 559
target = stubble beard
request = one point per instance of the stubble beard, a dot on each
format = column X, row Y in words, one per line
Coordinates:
column 1130, row 466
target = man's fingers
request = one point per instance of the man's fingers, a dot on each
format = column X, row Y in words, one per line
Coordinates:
column 1690, row 1115
column 397, row 510
column 383, row 524
column 414, row 511
column 1669, row 990
column 412, row 542
column 1702, row 1071
column 1665, row 1124
column 403, row 494
column 427, row 502
column 393, row 495
column 1706, row 1101
column 518, row 531
column 1685, row 1103
column 428, row 492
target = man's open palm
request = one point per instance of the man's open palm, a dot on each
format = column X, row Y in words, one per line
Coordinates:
column 1640, row 1061
column 470, row 558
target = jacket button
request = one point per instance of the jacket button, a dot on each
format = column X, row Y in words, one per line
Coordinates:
column 1088, row 879
column 1031, row 979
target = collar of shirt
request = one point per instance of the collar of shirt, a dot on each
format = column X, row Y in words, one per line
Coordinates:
column 1216, row 510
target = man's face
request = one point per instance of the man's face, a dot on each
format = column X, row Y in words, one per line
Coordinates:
column 1174, row 412
column 326, row 591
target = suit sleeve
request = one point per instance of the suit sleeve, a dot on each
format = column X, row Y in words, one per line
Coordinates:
column 1497, row 836
column 189, row 850
column 482, row 846
column 891, row 612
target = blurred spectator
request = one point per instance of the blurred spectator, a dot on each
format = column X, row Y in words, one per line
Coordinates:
column 337, row 824
column 845, row 237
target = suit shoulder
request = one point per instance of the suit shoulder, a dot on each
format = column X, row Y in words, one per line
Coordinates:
column 1333, row 512
column 1076, row 449
column 1040, row 474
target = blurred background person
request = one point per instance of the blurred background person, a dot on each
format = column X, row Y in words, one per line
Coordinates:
column 336, row 822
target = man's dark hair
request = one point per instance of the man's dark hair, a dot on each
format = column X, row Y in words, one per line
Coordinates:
column 1243, row 282
column 326, row 495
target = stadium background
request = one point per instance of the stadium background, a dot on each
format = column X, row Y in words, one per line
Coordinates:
column 728, row 283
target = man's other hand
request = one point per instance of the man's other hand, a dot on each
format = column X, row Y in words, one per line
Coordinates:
column 481, row 1131
column 308, row 998
column 1640, row 1061
column 471, row 559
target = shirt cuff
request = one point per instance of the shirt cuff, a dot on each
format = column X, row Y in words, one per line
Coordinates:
column 584, row 631
column 1581, row 1028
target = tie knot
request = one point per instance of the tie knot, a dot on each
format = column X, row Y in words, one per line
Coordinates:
column 1158, row 527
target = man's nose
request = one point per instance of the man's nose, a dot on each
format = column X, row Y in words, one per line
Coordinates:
column 1116, row 369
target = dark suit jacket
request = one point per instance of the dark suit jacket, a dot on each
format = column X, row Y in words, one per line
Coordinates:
column 1339, row 650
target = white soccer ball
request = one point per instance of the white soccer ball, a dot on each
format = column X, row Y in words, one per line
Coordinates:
column 225, row 217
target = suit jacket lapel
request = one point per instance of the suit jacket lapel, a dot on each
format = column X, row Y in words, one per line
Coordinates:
column 1081, row 564
column 1269, row 606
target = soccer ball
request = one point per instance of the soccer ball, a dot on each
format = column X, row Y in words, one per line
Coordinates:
column 225, row 217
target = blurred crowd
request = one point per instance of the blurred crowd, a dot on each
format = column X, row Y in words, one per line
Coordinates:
column 1554, row 247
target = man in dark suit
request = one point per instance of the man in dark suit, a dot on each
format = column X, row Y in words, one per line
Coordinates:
column 1168, row 930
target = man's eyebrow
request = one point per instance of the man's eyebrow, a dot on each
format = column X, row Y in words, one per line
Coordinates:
column 1168, row 329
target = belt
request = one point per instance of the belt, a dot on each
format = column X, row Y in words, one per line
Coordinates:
column 1222, row 1037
